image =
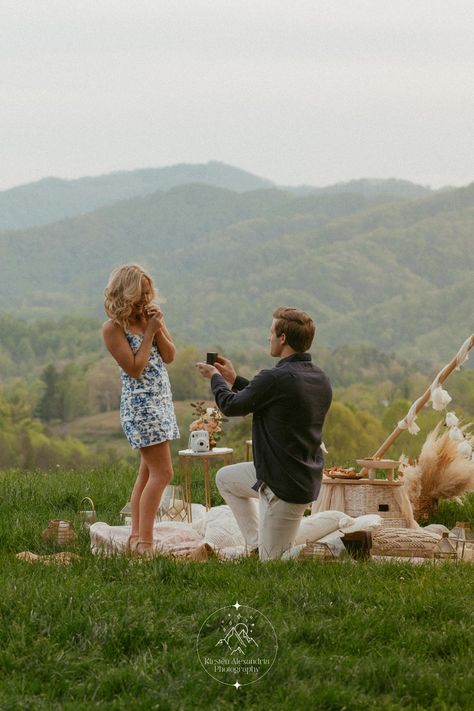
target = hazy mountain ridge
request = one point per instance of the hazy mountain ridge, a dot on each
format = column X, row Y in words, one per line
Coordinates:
column 52, row 199
column 368, row 186
column 397, row 274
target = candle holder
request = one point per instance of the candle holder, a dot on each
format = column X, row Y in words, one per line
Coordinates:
column 126, row 515
column 172, row 505
column 460, row 535
column 444, row 549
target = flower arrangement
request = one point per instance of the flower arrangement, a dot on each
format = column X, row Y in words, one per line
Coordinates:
column 209, row 419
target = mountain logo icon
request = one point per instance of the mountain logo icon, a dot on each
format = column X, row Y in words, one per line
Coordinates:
column 237, row 639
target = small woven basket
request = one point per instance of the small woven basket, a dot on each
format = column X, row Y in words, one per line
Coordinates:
column 60, row 532
column 318, row 551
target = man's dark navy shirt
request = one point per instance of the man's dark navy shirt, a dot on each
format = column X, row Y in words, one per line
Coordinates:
column 289, row 403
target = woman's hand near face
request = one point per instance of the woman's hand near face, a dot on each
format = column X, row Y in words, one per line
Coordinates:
column 156, row 324
column 155, row 318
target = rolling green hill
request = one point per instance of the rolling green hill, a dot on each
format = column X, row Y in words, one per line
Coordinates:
column 395, row 274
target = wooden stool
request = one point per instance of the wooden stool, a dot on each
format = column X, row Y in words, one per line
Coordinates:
column 374, row 465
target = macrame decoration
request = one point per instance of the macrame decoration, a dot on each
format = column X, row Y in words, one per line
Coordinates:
column 439, row 399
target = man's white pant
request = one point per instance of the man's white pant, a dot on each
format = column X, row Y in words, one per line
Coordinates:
column 267, row 522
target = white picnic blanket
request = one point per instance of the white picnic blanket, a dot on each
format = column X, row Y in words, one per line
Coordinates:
column 218, row 528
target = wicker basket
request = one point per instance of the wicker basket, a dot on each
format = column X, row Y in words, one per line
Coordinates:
column 393, row 522
column 87, row 512
column 60, row 532
column 374, row 499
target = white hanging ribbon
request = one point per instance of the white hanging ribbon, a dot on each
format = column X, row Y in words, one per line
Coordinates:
column 462, row 354
column 456, row 434
column 408, row 422
column 451, row 419
column 465, row 448
column 440, row 398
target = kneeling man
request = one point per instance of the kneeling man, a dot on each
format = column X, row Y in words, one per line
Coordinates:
column 289, row 403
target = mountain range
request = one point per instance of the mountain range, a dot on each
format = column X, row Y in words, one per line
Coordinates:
column 53, row 199
column 388, row 269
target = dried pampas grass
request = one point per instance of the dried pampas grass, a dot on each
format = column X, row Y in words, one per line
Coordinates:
column 441, row 471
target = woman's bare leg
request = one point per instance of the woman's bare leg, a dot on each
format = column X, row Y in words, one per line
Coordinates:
column 157, row 459
column 138, row 487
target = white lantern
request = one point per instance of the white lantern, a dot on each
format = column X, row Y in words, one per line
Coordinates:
column 126, row 515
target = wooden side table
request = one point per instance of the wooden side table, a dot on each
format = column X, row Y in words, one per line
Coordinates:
column 186, row 456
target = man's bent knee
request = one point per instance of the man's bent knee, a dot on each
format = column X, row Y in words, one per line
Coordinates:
column 221, row 477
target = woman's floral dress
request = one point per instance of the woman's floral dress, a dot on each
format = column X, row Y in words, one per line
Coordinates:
column 146, row 407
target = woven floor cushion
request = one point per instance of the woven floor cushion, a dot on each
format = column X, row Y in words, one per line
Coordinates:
column 404, row 542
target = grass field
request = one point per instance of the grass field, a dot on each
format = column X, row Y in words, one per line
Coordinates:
column 111, row 634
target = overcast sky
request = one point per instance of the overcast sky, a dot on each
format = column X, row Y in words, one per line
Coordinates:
column 300, row 91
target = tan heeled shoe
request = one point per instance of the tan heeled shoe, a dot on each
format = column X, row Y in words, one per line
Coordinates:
column 148, row 552
column 131, row 544
column 201, row 553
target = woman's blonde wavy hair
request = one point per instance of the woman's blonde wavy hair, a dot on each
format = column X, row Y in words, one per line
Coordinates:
column 123, row 290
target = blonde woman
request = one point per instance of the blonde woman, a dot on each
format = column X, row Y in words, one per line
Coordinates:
column 137, row 337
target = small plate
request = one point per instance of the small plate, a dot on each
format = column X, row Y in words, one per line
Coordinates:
column 346, row 476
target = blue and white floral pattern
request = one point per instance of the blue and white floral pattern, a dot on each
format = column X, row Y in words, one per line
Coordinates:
column 146, row 407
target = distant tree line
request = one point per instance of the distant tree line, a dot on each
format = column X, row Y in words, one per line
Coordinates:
column 77, row 390
column 63, row 373
column 25, row 443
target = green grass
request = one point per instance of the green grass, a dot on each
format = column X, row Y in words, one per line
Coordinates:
column 110, row 634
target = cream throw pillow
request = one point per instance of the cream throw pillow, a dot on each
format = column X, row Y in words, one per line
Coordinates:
column 318, row 525
column 221, row 529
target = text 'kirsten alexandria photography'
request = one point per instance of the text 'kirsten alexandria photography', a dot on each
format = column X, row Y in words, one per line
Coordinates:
column 237, row 645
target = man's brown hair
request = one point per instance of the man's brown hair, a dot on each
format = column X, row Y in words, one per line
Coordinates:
column 298, row 327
